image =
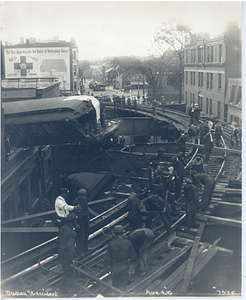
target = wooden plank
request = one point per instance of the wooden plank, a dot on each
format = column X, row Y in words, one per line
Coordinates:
column 100, row 282
column 150, row 278
column 178, row 275
column 29, row 229
column 102, row 200
column 42, row 214
column 205, row 259
column 191, row 259
column 222, row 221
column 93, row 212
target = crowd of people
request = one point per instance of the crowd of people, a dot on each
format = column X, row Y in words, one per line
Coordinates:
column 165, row 199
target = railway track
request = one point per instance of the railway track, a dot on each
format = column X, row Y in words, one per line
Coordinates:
column 38, row 269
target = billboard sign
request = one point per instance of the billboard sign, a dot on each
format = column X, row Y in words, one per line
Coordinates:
column 38, row 62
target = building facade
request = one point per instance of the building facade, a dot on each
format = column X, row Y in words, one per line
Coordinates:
column 49, row 59
column 208, row 65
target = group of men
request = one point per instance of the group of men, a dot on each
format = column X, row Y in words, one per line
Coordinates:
column 165, row 182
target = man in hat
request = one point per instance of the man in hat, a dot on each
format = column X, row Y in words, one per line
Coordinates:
column 209, row 185
column 196, row 114
column 191, row 196
column 67, row 254
column 134, row 212
column 197, row 164
column 181, row 141
column 141, row 240
column 118, row 256
column 62, row 208
column 159, row 156
column 218, row 133
column 83, row 221
column 156, row 204
column 163, row 103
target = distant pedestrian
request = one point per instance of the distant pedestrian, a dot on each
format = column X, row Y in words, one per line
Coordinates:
column 218, row 134
column 135, row 103
column 163, row 103
column 141, row 240
column 196, row 114
column 120, row 253
column 129, row 102
column 154, row 104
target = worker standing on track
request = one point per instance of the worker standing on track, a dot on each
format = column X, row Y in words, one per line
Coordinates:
column 134, row 208
column 156, row 204
column 141, row 240
column 66, row 255
column 83, row 222
column 181, row 141
column 118, row 256
column 218, row 134
column 196, row 114
column 197, row 164
column 209, row 185
column 192, row 200
column 62, row 208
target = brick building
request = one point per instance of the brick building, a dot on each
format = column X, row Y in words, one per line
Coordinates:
column 208, row 65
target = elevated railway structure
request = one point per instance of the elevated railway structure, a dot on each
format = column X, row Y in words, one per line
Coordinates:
column 174, row 260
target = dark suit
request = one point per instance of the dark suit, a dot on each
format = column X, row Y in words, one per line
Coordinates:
column 119, row 254
column 192, row 199
column 83, row 221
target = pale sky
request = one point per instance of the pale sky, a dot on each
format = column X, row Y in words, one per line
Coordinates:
column 113, row 28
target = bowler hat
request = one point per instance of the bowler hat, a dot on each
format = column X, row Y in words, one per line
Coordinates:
column 82, row 192
column 118, row 229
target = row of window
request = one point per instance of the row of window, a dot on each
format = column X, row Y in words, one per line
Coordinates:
column 209, row 77
column 209, row 104
column 204, row 54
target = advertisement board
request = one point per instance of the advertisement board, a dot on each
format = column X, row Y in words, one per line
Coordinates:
column 38, row 62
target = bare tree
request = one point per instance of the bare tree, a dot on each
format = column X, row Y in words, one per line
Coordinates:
column 174, row 36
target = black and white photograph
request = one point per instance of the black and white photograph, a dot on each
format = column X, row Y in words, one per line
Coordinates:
column 121, row 149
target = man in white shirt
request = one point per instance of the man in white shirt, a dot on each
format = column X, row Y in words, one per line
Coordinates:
column 62, row 208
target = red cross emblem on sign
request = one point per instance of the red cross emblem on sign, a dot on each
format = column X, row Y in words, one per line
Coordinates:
column 23, row 66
